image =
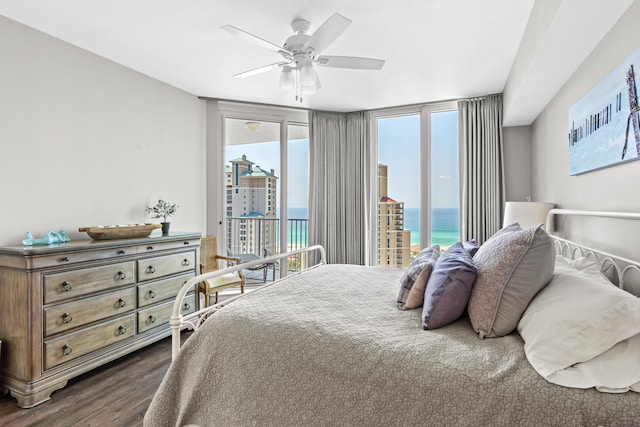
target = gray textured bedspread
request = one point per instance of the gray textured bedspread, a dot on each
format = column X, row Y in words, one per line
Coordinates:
column 329, row 348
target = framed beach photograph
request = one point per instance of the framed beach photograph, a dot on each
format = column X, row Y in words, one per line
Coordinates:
column 604, row 125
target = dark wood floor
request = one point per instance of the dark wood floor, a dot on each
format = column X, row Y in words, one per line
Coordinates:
column 116, row 394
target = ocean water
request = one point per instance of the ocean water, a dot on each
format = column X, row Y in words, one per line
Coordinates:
column 445, row 225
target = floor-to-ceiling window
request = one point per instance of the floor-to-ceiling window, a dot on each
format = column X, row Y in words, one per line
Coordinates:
column 297, row 191
column 418, row 186
column 398, row 196
column 444, row 170
column 266, row 186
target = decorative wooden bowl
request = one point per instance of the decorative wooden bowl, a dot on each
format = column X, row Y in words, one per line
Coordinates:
column 127, row 231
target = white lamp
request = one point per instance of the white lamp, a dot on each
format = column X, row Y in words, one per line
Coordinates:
column 286, row 79
column 254, row 126
column 528, row 214
column 307, row 74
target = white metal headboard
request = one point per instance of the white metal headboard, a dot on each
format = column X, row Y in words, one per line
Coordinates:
column 623, row 272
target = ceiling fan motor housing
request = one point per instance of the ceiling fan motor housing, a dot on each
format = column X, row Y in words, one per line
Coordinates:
column 300, row 26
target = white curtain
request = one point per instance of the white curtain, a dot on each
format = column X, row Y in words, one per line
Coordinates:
column 340, row 185
column 482, row 167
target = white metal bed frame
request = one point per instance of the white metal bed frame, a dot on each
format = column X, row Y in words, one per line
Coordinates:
column 177, row 322
column 623, row 272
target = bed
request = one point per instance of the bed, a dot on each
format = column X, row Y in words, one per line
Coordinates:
column 329, row 346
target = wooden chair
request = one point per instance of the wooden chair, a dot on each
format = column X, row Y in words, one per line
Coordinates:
column 210, row 261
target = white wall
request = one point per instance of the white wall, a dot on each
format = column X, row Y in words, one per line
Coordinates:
column 85, row 141
column 614, row 188
column 517, row 162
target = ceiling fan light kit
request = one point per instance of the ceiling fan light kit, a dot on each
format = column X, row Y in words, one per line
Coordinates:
column 301, row 51
column 287, row 81
column 307, row 74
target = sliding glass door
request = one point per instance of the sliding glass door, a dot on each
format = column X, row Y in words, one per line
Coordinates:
column 252, row 186
column 266, row 186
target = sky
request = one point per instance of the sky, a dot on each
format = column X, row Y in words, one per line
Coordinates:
column 398, row 148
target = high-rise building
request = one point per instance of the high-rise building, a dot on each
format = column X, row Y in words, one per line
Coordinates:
column 251, row 207
column 394, row 242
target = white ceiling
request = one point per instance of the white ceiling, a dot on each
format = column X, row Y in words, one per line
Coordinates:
column 434, row 49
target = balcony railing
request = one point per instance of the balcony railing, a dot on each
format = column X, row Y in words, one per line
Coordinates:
column 254, row 235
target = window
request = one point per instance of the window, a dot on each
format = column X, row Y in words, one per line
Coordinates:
column 398, row 189
column 445, row 200
column 269, row 176
column 251, row 157
column 418, row 185
column 297, row 191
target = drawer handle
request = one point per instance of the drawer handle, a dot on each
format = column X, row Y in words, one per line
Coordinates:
column 152, row 319
column 121, row 330
column 66, row 286
column 152, row 294
column 151, row 269
column 121, row 252
column 186, row 306
column 185, row 262
column 65, row 259
column 149, row 248
column 66, row 318
column 121, row 275
column 66, row 350
column 185, row 243
column 121, row 302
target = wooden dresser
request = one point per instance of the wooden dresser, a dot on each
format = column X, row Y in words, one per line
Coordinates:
column 71, row 307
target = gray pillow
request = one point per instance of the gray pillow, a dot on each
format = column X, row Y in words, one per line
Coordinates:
column 449, row 287
column 414, row 279
column 513, row 266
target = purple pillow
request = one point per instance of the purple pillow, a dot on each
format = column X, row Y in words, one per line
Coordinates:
column 448, row 288
column 471, row 246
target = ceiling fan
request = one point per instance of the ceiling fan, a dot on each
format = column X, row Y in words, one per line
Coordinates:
column 301, row 51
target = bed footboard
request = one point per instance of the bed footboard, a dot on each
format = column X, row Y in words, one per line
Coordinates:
column 178, row 322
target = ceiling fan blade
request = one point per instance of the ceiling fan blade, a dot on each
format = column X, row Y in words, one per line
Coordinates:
column 259, row 70
column 327, row 33
column 350, row 62
column 254, row 39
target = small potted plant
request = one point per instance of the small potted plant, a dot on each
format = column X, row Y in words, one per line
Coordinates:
column 164, row 210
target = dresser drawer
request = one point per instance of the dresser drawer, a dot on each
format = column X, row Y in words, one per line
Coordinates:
column 159, row 290
column 162, row 246
column 67, row 316
column 79, row 343
column 152, row 268
column 71, row 284
column 160, row 314
column 68, row 258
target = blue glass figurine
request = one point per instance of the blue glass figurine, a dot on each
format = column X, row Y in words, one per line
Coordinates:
column 48, row 239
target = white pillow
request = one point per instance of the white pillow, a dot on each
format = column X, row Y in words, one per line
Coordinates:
column 583, row 264
column 578, row 316
column 617, row 370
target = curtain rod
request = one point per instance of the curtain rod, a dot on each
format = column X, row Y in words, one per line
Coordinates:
column 262, row 104
column 419, row 104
